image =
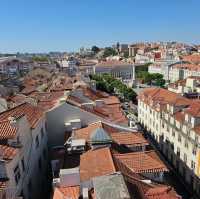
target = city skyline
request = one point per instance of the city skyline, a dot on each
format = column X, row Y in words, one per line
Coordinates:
column 45, row 26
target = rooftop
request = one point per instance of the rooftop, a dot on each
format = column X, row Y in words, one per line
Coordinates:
column 32, row 113
column 126, row 138
column 67, row 192
column 96, row 163
column 142, row 162
column 110, row 186
column 7, row 153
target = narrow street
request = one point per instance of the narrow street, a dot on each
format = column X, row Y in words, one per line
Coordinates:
column 171, row 178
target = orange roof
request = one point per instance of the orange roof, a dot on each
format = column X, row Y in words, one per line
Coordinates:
column 192, row 58
column 189, row 66
column 126, row 138
column 2, row 185
column 194, row 109
column 162, row 192
column 142, row 162
column 85, row 133
column 6, row 130
column 90, row 166
column 32, row 113
column 110, row 110
column 72, row 192
column 8, row 153
column 111, row 100
column 162, row 97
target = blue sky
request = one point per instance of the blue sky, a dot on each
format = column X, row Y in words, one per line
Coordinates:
column 66, row 25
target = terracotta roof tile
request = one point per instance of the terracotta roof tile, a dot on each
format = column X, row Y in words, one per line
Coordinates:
column 7, row 152
column 6, row 130
column 90, row 166
column 32, row 113
column 125, row 138
column 162, row 97
column 72, row 192
column 142, row 162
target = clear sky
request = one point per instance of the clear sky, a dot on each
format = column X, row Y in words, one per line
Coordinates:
column 66, row 25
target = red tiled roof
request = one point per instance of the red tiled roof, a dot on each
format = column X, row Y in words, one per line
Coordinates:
column 84, row 133
column 2, row 186
column 194, row 109
column 72, row 192
column 126, row 138
column 192, row 58
column 163, row 192
column 111, row 100
column 6, row 130
column 90, row 166
column 142, row 162
column 32, row 113
column 161, row 97
column 28, row 90
column 7, row 152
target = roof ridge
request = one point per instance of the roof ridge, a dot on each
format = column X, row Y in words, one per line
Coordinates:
column 14, row 108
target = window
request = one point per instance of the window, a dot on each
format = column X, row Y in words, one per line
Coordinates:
column 40, row 163
column 42, row 132
column 29, row 186
column 178, row 151
column 179, row 138
column 185, row 158
column 23, row 165
column 44, row 153
column 17, row 174
column 192, row 165
column 194, row 150
column 186, row 144
column 173, row 133
column 37, row 141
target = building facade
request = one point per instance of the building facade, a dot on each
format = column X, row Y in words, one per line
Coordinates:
column 173, row 122
column 23, row 138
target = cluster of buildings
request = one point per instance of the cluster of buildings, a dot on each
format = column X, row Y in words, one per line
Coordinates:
column 103, row 160
column 173, row 70
column 55, row 124
column 172, row 121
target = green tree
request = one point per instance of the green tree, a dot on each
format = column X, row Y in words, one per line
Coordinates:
column 160, row 82
column 95, row 49
column 126, row 55
column 109, row 51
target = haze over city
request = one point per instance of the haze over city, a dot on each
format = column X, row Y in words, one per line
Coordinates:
column 49, row 25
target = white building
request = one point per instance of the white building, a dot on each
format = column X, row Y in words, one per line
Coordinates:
column 174, row 122
column 122, row 70
column 191, row 85
column 183, row 70
column 24, row 153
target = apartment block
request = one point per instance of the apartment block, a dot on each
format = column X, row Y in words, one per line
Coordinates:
column 24, row 154
column 173, row 122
